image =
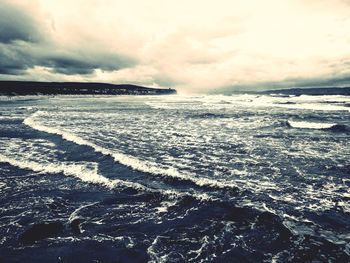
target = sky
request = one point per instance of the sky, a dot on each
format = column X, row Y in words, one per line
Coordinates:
column 191, row 45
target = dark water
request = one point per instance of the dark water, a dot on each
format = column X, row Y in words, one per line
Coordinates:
column 175, row 179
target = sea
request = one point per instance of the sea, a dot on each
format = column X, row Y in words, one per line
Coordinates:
column 207, row 178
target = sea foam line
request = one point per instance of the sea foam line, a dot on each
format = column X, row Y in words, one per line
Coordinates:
column 132, row 162
column 310, row 125
column 80, row 171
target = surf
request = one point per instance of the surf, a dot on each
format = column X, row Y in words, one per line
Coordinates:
column 86, row 172
column 317, row 126
column 129, row 161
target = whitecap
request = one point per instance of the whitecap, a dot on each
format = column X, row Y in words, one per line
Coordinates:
column 86, row 172
column 130, row 161
column 310, row 125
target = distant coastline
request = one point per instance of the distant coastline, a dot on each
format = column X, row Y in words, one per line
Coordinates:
column 22, row 88
column 310, row 91
column 297, row 91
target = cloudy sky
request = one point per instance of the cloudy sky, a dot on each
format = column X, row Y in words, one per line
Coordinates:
column 190, row 45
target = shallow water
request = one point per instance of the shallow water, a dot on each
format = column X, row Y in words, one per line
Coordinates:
column 175, row 179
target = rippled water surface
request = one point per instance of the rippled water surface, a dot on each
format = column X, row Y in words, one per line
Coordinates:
column 241, row 178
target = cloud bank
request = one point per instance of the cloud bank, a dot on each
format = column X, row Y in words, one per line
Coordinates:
column 194, row 46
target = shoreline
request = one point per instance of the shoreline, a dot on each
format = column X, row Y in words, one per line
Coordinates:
column 37, row 88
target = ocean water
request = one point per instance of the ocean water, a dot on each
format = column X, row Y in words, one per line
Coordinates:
column 242, row 178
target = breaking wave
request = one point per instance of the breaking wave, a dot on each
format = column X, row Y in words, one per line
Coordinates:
column 129, row 161
column 86, row 172
column 317, row 126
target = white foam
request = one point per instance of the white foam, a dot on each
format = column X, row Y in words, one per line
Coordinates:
column 70, row 137
column 152, row 252
column 75, row 213
column 314, row 106
column 86, row 172
column 310, row 125
column 149, row 167
column 132, row 162
column 165, row 206
column 316, row 103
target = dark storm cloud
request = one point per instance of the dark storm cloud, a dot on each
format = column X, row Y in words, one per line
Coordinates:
column 71, row 64
column 23, row 46
column 14, row 59
column 16, row 25
column 18, row 57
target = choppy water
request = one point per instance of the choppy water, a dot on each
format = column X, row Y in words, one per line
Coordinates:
column 175, row 179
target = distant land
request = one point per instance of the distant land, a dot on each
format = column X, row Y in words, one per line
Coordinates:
column 310, row 91
column 22, row 88
column 287, row 91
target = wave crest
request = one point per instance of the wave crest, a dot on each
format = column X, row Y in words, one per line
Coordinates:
column 317, row 126
column 86, row 172
column 129, row 161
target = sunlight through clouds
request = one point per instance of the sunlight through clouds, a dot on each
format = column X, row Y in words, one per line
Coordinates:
column 189, row 45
